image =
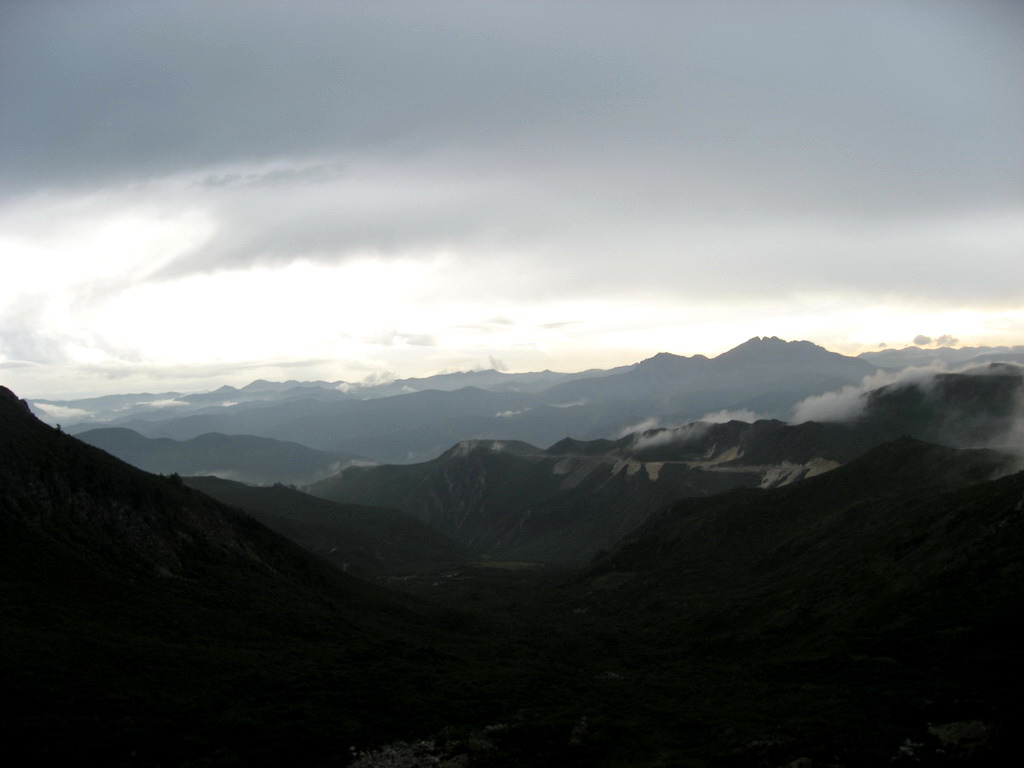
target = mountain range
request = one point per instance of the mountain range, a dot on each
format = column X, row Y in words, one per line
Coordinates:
column 421, row 418
column 413, row 420
column 827, row 591
column 565, row 503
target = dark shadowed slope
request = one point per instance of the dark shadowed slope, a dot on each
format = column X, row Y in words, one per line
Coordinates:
column 837, row 619
column 360, row 539
column 147, row 624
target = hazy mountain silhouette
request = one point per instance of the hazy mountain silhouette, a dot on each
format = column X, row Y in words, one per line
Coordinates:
column 764, row 375
column 244, row 458
column 949, row 356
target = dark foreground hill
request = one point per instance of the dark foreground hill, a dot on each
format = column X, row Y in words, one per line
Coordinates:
column 863, row 617
column 147, row 624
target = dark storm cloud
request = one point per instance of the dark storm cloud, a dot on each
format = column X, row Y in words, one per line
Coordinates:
column 824, row 100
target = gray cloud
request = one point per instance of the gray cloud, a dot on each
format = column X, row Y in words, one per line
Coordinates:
column 730, row 146
column 746, row 106
column 707, row 151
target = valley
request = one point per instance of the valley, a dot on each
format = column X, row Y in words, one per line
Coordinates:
column 722, row 592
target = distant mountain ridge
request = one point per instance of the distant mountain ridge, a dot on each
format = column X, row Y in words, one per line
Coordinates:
column 246, row 458
column 390, row 423
column 908, row 356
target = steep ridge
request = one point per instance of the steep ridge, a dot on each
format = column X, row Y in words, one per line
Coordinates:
column 147, row 624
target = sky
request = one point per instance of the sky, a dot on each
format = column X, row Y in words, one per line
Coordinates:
column 204, row 193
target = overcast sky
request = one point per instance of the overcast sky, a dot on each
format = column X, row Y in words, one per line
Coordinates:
column 198, row 193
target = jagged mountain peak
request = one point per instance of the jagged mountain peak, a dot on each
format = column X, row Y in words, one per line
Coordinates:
column 770, row 346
